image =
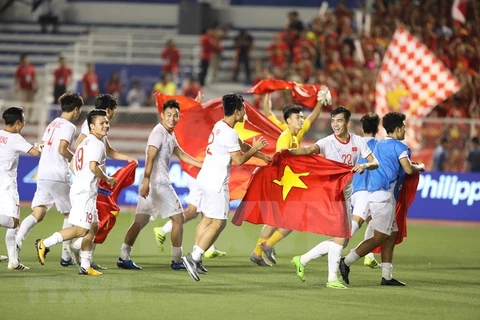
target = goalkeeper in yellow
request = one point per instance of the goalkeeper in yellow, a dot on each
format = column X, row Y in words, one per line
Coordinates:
column 294, row 129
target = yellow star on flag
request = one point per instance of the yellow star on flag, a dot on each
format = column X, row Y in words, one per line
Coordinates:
column 393, row 96
column 291, row 179
column 244, row 134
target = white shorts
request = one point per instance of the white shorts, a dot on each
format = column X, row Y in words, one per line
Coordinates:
column 383, row 214
column 84, row 210
column 192, row 197
column 50, row 192
column 161, row 201
column 214, row 205
column 10, row 203
column 360, row 204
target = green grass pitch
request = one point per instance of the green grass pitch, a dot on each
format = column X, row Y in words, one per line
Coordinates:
column 440, row 264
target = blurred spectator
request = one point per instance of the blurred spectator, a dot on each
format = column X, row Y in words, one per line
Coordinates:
column 170, row 58
column 114, row 86
column 191, row 88
column 473, row 159
column 440, row 158
column 278, row 52
column 219, row 34
column 26, row 80
column 62, row 76
column 243, row 44
column 165, row 86
column 90, row 85
column 136, row 95
column 209, row 45
column 48, row 15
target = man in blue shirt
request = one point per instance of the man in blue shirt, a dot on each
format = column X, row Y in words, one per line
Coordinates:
column 383, row 187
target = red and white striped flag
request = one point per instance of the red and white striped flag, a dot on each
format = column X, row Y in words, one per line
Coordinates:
column 459, row 10
column 412, row 80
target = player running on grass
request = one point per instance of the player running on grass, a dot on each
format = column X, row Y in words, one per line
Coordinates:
column 346, row 148
column 53, row 177
column 157, row 196
column 11, row 145
column 383, row 187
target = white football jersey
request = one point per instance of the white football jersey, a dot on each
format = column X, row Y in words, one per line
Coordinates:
column 53, row 166
column 11, row 144
column 216, row 167
column 165, row 142
column 347, row 153
column 91, row 149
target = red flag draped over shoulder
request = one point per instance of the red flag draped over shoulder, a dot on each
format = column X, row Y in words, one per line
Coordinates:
column 107, row 206
column 405, row 199
column 196, row 123
column 302, row 193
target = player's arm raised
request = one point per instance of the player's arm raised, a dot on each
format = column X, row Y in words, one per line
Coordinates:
column 240, row 158
column 324, row 98
column 305, row 151
column 260, row 155
column 151, row 154
column 98, row 172
column 112, row 153
column 183, row 156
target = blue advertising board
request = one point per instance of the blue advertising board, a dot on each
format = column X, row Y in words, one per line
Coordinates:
column 445, row 196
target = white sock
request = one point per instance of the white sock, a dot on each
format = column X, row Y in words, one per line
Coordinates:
column 387, row 269
column 318, row 251
column 212, row 248
column 177, row 253
column 351, row 257
column 27, row 224
column 167, row 228
column 85, row 259
column 125, row 252
column 370, row 256
column 355, row 227
column 54, row 239
column 197, row 253
column 77, row 244
column 334, row 254
column 11, row 246
column 6, row 221
column 65, row 254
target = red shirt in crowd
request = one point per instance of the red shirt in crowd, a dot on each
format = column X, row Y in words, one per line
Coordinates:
column 209, row 46
column 90, row 81
column 61, row 76
column 278, row 54
column 25, row 76
column 171, row 58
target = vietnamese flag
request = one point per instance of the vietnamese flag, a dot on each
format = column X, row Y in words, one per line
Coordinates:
column 405, row 199
column 302, row 193
column 196, row 123
column 107, row 206
column 304, row 94
column 270, row 85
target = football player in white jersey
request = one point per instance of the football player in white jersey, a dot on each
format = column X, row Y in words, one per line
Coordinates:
column 224, row 146
column 53, row 177
column 346, row 148
column 157, row 196
column 88, row 166
column 108, row 103
column 11, row 145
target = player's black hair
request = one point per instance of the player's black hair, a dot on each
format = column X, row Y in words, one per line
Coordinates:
column 12, row 115
column 70, row 100
column 291, row 109
column 93, row 114
column 172, row 104
column 392, row 121
column 232, row 102
column 370, row 123
column 105, row 101
column 341, row 109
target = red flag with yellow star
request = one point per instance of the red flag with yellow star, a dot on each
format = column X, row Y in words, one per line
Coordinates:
column 306, row 94
column 107, row 206
column 196, row 123
column 302, row 193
